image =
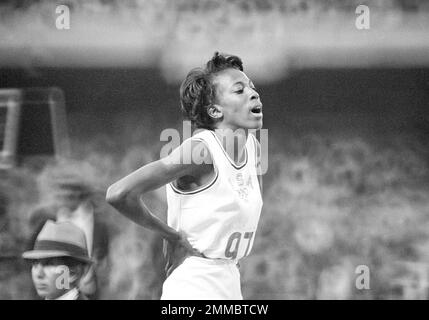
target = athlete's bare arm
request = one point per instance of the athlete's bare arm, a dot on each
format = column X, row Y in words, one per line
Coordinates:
column 125, row 194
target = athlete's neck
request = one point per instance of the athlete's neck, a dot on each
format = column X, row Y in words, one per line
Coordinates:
column 233, row 142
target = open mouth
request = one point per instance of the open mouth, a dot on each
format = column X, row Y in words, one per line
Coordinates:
column 257, row 109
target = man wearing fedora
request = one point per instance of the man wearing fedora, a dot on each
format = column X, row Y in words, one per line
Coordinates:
column 59, row 260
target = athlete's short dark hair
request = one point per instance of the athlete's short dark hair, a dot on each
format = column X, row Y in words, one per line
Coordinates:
column 197, row 91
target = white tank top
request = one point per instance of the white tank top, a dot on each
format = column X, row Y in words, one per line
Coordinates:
column 220, row 218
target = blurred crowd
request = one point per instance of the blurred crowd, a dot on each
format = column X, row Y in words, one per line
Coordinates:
column 331, row 205
column 283, row 5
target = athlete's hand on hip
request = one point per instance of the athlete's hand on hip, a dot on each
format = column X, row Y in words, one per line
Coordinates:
column 176, row 251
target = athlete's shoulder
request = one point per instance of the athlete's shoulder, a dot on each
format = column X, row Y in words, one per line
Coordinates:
column 253, row 137
column 195, row 151
column 258, row 156
column 255, row 142
column 202, row 134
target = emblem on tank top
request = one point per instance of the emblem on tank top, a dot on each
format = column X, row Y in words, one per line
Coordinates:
column 241, row 185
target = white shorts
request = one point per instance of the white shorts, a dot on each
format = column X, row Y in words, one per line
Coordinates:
column 203, row 279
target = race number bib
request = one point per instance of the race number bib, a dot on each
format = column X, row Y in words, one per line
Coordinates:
column 236, row 241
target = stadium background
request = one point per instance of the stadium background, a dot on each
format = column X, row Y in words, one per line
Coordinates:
column 346, row 110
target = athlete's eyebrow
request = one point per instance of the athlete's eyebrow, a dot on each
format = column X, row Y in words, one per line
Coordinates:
column 243, row 84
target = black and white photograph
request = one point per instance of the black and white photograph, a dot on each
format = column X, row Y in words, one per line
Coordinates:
column 224, row 150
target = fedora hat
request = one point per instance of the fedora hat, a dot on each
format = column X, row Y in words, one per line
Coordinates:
column 59, row 239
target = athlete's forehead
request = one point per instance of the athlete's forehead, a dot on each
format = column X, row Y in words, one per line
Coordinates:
column 230, row 77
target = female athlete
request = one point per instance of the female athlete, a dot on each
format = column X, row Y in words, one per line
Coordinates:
column 214, row 200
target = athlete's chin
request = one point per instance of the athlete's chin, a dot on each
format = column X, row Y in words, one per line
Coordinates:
column 255, row 124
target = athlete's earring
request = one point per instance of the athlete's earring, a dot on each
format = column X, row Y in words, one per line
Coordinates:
column 214, row 111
